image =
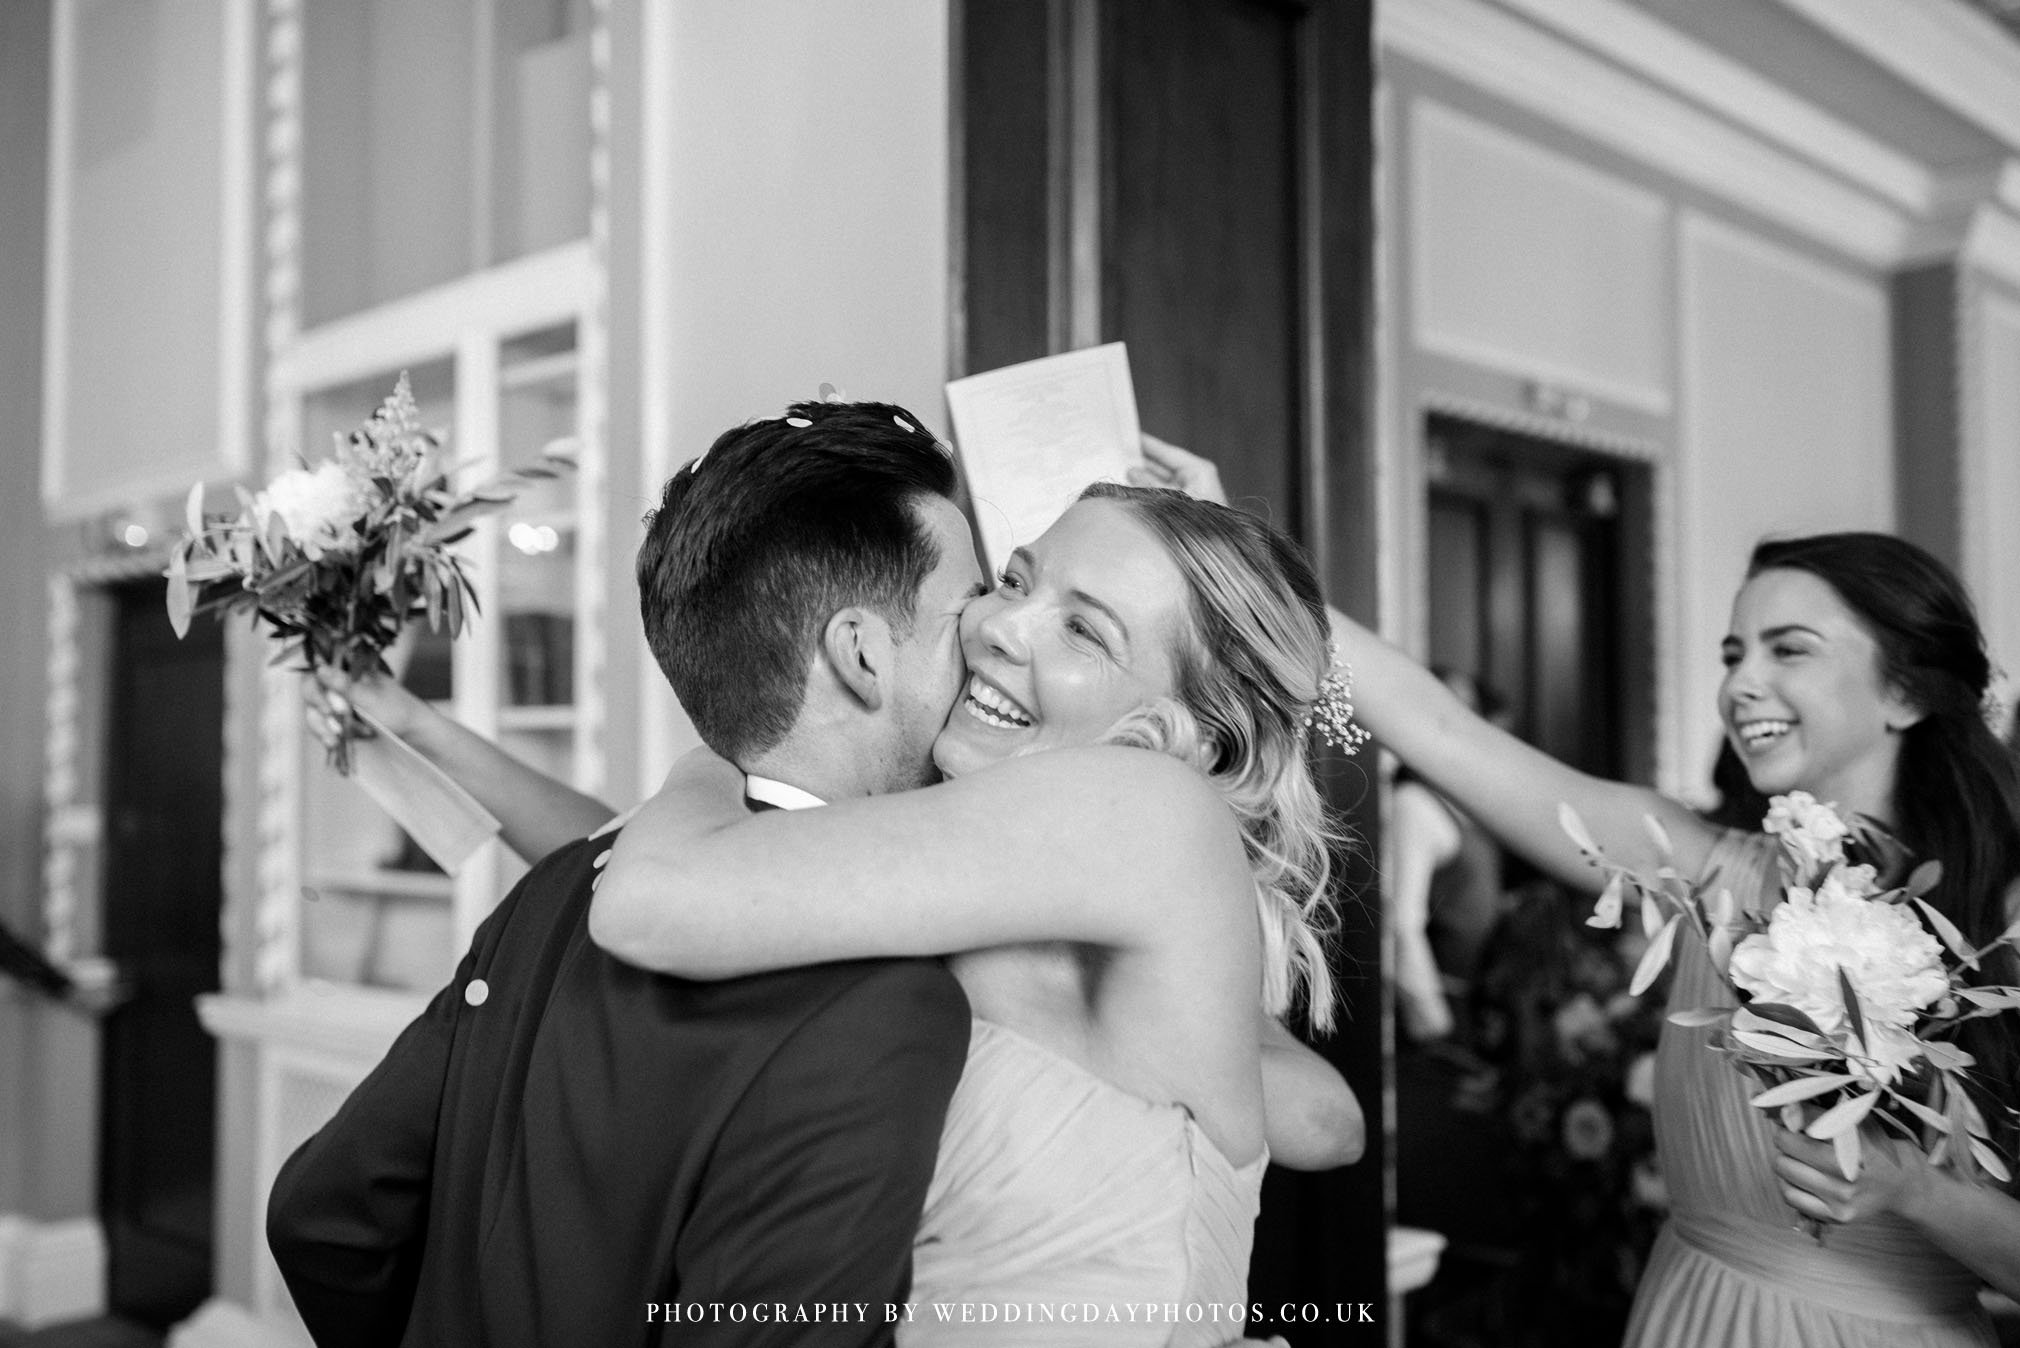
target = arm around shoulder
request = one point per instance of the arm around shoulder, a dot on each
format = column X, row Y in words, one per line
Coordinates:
column 1005, row 855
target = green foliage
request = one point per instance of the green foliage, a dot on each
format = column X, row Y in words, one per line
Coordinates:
column 337, row 585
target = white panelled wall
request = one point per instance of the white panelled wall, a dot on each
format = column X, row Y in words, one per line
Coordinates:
column 796, row 203
column 146, row 326
column 1529, row 261
column 1991, row 481
column 1785, row 428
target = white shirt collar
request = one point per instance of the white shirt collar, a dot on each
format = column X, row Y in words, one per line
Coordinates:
column 619, row 822
column 781, row 794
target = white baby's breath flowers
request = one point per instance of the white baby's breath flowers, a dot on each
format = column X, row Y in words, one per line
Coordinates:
column 316, row 507
column 1810, row 832
column 1894, row 965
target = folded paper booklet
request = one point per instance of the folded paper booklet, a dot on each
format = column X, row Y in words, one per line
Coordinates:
column 442, row 817
column 1031, row 436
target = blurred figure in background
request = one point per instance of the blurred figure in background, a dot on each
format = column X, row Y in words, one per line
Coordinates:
column 1444, row 882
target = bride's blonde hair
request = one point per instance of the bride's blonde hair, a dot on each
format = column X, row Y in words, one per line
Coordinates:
column 1249, row 670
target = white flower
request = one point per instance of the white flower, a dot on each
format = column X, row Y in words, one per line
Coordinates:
column 1894, row 965
column 1812, row 833
column 1842, row 884
column 316, row 507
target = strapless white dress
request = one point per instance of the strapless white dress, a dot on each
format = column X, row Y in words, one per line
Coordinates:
column 1065, row 1211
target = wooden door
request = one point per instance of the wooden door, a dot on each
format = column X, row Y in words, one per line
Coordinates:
column 162, row 897
column 1193, row 177
column 1534, row 588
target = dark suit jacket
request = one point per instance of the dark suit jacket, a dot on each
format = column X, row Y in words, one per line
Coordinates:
column 555, row 1156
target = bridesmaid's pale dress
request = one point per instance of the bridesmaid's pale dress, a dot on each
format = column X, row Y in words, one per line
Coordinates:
column 1730, row 1270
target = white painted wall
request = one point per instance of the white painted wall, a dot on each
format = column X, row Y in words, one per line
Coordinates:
column 810, row 208
column 1534, row 263
column 1991, row 483
column 138, row 220
column 805, row 227
column 1785, row 428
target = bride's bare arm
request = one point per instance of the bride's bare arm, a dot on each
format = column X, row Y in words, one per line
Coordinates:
column 1109, row 846
column 1512, row 788
column 1311, row 1118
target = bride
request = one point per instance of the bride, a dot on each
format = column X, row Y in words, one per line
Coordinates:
column 1121, row 1064
column 1115, row 916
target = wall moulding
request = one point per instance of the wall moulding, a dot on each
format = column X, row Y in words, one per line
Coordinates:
column 1571, row 288
column 1988, row 376
column 79, row 623
column 1542, row 426
column 1667, row 56
column 1505, row 55
column 1956, row 56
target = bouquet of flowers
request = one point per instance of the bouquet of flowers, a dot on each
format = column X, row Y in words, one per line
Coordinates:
column 1851, row 992
column 339, row 557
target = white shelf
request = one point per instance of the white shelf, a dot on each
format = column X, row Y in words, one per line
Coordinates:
column 555, row 716
column 560, row 367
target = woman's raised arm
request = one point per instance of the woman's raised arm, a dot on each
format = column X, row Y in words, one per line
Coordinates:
column 1110, row 846
column 1512, row 788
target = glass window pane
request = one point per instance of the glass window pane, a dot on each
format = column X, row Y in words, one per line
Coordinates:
column 537, row 554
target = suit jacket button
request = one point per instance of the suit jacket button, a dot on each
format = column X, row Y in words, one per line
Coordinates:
column 477, row 992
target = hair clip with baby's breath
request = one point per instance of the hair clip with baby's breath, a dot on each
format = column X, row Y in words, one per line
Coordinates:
column 1331, row 713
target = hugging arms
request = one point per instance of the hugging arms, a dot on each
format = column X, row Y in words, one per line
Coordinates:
column 1314, row 1121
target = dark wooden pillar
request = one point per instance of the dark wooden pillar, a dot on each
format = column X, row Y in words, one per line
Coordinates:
column 1193, row 177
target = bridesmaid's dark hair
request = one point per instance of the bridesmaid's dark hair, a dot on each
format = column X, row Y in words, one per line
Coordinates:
column 1957, row 790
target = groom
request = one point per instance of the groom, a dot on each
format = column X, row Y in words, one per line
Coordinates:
column 562, row 1149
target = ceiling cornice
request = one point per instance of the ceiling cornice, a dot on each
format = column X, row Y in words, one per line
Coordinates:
column 1950, row 52
column 1493, row 49
column 1650, row 47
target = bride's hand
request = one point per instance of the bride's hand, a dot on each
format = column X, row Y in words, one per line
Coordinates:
column 1166, row 465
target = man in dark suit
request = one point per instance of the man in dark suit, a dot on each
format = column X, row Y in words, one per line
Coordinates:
column 565, row 1150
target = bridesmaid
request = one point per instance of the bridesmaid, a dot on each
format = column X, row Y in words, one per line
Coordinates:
column 1855, row 671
